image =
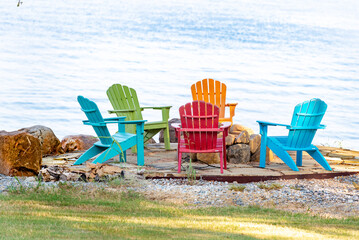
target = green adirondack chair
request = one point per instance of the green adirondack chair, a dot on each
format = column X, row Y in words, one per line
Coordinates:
column 305, row 122
column 110, row 146
column 125, row 103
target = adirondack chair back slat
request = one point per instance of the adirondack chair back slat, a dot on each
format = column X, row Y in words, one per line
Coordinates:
column 93, row 114
column 211, row 91
column 307, row 114
column 199, row 115
column 122, row 98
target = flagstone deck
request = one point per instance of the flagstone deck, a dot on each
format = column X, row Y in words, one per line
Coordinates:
column 160, row 163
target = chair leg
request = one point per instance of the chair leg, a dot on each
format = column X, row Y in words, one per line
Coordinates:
column 221, row 159
column 224, row 154
column 140, row 153
column 286, row 158
column 299, row 158
column 179, row 155
column 140, row 145
column 166, row 138
column 93, row 151
column 317, row 156
column 263, row 153
column 108, row 154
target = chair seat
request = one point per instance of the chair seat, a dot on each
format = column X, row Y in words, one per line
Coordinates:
column 155, row 125
column 282, row 141
column 184, row 147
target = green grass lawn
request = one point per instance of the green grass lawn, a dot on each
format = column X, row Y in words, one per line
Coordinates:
column 71, row 213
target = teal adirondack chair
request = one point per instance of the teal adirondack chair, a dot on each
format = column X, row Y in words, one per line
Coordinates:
column 110, row 146
column 125, row 103
column 305, row 122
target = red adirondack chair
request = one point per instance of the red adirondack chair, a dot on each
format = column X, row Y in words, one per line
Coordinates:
column 199, row 129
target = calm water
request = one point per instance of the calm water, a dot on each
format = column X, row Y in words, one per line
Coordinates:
column 271, row 54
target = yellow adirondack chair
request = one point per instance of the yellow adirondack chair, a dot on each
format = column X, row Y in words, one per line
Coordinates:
column 214, row 92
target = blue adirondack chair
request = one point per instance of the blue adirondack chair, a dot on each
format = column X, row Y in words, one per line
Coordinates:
column 305, row 122
column 110, row 146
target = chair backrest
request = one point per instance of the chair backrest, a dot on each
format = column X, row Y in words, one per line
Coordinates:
column 199, row 115
column 211, row 91
column 95, row 119
column 122, row 98
column 306, row 115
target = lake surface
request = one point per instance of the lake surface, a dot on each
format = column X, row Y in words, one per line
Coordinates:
column 271, row 54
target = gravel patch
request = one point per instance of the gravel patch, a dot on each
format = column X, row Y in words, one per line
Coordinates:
column 337, row 197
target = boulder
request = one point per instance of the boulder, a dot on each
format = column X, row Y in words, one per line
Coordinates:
column 254, row 142
column 230, row 139
column 20, row 154
column 239, row 153
column 237, row 129
column 173, row 138
column 243, row 137
column 209, row 158
column 192, row 156
column 80, row 142
column 256, row 155
column 50, row 144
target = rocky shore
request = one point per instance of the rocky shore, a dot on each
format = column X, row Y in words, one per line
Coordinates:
column 337, row 197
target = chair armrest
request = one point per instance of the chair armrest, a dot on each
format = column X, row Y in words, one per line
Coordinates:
column 106, row 121
column 98, row 124
column 225, row 125
column 165, row 111
column 121, row 111
column 231, row 104
column 272, row 124
column 200, row 130
column 116, row 119
column 156, row 108
column 176, row 125
column 232, row 109
column 140, row 124
column 133, row 122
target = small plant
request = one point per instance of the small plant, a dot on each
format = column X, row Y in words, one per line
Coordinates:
column 191, row 173
column 273, row 186
column 65, row 186
column 39, row 184
column 116, row 182
column 20, row 189
column 237, row 188
column 295, row 187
